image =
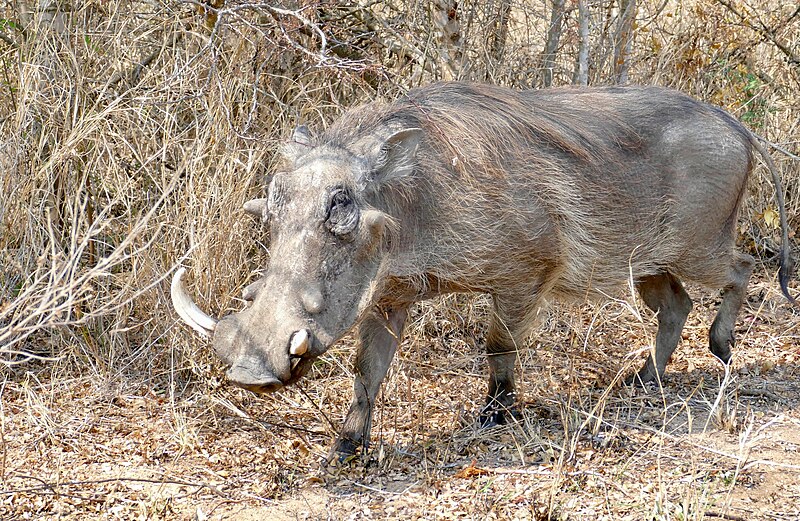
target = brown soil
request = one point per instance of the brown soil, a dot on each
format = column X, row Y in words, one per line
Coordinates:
column 107, row 447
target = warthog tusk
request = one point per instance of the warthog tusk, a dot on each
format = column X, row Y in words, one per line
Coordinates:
column 187, row 309
column 298, row 345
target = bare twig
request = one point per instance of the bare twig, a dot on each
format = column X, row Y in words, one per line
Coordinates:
column 723, row 515
column 52, row 488
column 778, row 148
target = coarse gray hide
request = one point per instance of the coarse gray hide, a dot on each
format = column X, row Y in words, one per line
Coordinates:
column 457, row 187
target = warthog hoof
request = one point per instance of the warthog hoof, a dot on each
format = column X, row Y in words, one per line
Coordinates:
column 342, row 452
column 500, row 409
column 721, row 344
column 491, row 416
column 640, row 378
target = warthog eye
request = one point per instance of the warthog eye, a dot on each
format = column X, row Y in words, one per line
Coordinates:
column 342, row 213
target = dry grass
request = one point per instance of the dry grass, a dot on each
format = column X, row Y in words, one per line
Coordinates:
column 130, row 135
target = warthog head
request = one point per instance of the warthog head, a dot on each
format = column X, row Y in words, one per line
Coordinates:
column 327, row 244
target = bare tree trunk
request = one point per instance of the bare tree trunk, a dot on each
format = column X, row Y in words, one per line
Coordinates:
column 499, row 31
column 451, row 51
column 624, row 39
column 582, row 66
column 553, row 37
column 47, row 19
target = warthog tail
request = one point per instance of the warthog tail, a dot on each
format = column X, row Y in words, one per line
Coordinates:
column 786, row 264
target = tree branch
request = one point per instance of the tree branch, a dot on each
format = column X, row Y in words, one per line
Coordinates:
column 765, row 31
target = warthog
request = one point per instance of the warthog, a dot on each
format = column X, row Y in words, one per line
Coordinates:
column 523, row 195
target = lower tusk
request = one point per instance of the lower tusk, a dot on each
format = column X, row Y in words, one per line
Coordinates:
column 187, row 309
column 298, row 345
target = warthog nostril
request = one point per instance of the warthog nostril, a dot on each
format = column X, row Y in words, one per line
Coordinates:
column 257, row 383
column 267, row 387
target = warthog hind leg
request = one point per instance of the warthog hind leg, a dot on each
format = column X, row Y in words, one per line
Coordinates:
column 664, row 294
column 721, row 333
column 501, row 354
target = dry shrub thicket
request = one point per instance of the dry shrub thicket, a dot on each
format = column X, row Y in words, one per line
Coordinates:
column 132, row 131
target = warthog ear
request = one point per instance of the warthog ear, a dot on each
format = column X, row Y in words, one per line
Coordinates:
column 259, row 208
column 395, row 158
column 299, row 145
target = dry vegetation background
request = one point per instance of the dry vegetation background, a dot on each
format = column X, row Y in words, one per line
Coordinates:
column 132, row 131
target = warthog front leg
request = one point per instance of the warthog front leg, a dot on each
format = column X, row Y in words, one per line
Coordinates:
column 664, row 294
column 379, row 335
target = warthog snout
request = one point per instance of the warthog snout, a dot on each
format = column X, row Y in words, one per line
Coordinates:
column 254, row 364
column 258, row 369
column 253, row 373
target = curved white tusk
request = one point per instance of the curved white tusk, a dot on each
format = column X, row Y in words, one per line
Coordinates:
column 298, row 345
column 187, row 309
